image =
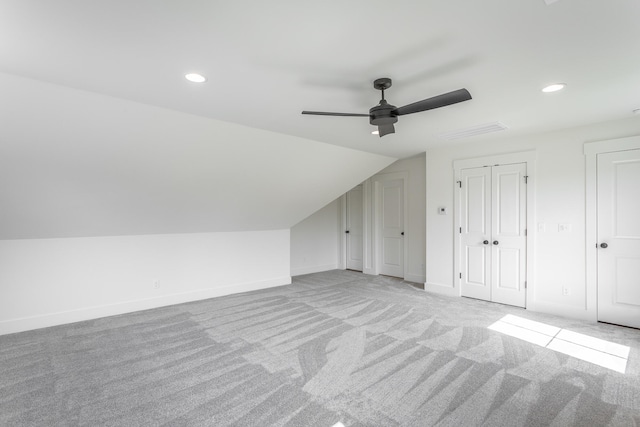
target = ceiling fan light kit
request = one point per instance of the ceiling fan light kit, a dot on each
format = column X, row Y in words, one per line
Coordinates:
column 384, row 115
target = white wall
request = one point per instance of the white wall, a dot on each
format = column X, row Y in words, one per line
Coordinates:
column 559, row 199
column 45, row 282
column 315, row 241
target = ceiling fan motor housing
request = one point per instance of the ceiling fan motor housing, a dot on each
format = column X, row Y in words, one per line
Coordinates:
column 383, row 114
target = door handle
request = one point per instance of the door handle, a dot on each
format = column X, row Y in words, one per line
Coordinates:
column 495, row 242
column 604, row 245
column 486, row 242
column 402, row 233
column 347, row 231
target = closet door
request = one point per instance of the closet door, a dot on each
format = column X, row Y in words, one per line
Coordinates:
column 392, row 228
column 493, row 233
column 508, row 234
column 475, row 233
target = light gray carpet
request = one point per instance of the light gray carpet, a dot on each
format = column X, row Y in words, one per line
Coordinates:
column 332, row 347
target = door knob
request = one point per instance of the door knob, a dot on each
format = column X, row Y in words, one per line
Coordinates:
column 495, row 242
column 402, row 233
column 486, row 242
column 604, row 245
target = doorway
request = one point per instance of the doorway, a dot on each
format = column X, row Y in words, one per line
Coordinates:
column 493, row 233
column 492, row 208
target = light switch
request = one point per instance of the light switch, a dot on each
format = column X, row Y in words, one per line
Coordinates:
column 564, row 228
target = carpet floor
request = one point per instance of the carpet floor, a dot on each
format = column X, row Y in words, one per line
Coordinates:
column 333, row 347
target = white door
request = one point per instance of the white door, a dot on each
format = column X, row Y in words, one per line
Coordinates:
column 392, row 228
column 475, row 233
column 509, row 228
column 619, row 237
column 354, row 229
column 493, row 233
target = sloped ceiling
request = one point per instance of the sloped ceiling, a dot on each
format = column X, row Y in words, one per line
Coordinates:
column 266, row 61
column 76, row 163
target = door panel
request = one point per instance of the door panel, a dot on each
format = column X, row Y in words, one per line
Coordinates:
column 355, row 244
column 506, row 269
column 392, row 250
column 509, row 231
column 619, row 227
column 506, row 195
column 476, row 272
column 392, row 224
column 475, row 210
column 477, row 206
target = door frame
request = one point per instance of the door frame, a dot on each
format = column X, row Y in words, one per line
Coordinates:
column 528, row 157
column 376, row 210
column 591, row 151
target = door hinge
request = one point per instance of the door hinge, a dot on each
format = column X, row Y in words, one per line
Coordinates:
column 525, row 284
column 461, row 275
column 526, row 179
column 460, row 230
column 459, row 184
column 525, row 231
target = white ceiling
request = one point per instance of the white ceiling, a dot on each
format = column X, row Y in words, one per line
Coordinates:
column 268, row 60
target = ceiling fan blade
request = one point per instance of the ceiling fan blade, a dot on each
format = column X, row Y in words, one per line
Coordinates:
column 322, row 113
column 386, row 129
column 443, row 100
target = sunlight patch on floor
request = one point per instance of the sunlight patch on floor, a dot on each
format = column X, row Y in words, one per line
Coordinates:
column 593, row 350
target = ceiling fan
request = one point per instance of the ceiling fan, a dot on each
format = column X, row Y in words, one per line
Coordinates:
column 384, row 115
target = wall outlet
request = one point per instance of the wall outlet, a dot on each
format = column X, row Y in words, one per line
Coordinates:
column 156, row 284
column 565, row 291
column 542, row 227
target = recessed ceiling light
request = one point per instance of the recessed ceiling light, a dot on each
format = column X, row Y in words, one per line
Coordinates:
column 554, row 87
column 196, row 78
column 375, row 132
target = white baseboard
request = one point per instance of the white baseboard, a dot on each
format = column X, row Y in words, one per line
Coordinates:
column 437, row 288
column 60, row 318
column 414, row 278
column 563, row 310
column 313, row 269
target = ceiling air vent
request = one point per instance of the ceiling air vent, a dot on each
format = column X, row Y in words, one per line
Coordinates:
column 474, row 130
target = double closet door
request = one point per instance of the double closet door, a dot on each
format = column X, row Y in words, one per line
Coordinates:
column 493, row 233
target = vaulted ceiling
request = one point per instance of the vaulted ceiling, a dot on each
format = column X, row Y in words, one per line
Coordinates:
column 95, row 111
column 267, row 61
